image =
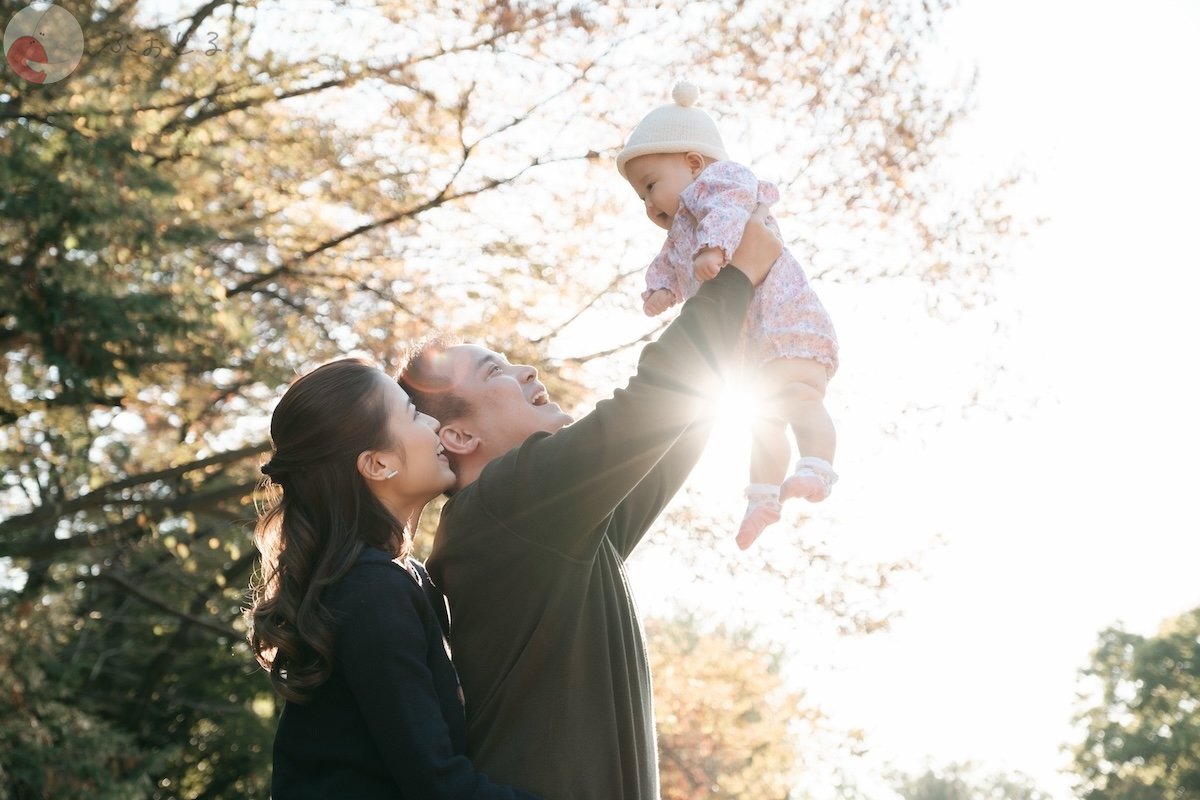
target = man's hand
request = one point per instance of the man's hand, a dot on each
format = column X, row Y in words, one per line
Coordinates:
column 759, row 249
column 658, row 301
column 708, row 263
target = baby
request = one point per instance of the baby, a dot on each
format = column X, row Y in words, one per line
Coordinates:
column 675, row 160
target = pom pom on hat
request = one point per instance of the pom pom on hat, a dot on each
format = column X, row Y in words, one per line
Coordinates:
column 678, row 127
column 685, row 93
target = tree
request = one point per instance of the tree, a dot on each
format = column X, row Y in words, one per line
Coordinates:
column 964, row 782
column 728, row 726
column 1141, row 715
column 214, row 201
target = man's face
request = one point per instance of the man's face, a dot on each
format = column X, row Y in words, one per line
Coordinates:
column 509, row 401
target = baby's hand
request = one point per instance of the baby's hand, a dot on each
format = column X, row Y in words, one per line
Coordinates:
column 658, row 301
column 708, row 263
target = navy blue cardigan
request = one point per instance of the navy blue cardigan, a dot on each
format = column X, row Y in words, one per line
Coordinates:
column 389, row 721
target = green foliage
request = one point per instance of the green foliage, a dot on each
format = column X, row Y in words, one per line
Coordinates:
column 1142, row 724
column 54, row 744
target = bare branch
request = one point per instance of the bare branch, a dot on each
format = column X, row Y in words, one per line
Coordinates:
column 182, row 119
column 621, row 276
column 619, row 348
column 436, row 201
column 197, row 19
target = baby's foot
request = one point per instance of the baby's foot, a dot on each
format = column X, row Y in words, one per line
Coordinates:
column 763, row 509
column 813, row 480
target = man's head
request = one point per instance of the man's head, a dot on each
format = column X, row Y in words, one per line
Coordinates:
column 486, row 405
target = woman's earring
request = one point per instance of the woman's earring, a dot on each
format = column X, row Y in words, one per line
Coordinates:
column 391, row 475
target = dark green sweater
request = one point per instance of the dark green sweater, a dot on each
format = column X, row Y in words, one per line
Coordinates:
column 531, row 555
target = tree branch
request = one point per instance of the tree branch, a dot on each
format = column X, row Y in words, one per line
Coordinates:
column 162, row 605
column 559, row 328
column 102, row 496
column 612, row 350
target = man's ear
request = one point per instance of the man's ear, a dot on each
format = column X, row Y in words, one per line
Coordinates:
column 374, row 466
column 458, row 440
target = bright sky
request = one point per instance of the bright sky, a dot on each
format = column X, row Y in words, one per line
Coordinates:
column 1066, row 495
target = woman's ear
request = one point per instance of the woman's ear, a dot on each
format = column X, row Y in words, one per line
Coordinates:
column 374, row 466
column 457, row 439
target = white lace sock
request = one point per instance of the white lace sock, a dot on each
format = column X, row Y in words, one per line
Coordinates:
column 762, row 509
column 813, row 480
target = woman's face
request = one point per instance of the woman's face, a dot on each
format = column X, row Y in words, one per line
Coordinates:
column 415, row 450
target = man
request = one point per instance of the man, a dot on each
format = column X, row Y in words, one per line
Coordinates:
column 531, row 545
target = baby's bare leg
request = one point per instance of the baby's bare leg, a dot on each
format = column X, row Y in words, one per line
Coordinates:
column 768, row 465
column 799, row 392
column 798, row 388
column 795, row 397
column 770, row 452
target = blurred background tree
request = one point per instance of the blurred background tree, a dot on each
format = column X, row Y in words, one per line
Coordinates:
column 1140, row 715
column 728, row 726
column 965, row 782
column 224, row 194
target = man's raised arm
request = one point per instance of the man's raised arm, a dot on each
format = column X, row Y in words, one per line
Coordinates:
column 558, row 489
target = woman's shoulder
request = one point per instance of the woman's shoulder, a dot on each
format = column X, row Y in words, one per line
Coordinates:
column 381, row 593
column 374, row 572
column 373, row 561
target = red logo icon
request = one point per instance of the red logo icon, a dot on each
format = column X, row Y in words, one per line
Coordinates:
column 43, row 43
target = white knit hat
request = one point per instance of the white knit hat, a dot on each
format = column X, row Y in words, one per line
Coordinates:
column 675, row 128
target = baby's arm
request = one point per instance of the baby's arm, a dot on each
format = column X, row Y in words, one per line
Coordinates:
column 656, row 301
column 662, row 285
column 722, row 200
column 708, row 263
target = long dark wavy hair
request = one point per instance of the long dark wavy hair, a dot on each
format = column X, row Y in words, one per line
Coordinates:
column 320, row 517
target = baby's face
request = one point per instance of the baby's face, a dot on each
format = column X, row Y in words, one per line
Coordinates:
column 658, row 180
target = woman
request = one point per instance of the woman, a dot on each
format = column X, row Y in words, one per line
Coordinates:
column 342, row 615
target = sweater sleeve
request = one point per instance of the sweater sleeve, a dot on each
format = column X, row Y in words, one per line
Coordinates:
column 721, row 199
column 661, row 274
column 557, row 490
column 383, row 650
column 638, row 512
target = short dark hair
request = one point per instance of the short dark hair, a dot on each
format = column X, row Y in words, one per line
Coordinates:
column 430, row 392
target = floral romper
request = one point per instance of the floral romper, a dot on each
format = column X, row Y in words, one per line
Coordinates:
column 786, row 318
